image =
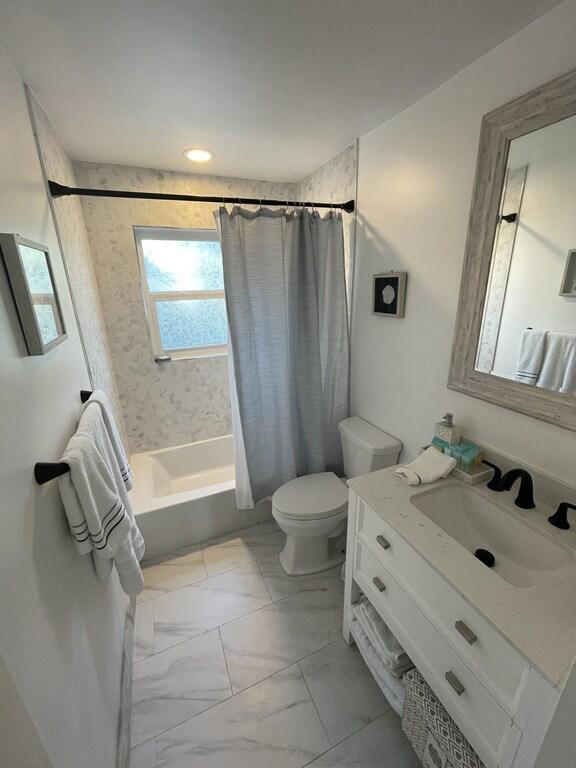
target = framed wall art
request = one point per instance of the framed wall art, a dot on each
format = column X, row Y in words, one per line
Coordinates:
column 389, row 294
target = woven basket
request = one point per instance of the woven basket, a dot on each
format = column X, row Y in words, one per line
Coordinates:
column 423, row 714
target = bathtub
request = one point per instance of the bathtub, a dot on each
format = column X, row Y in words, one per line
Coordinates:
column 185, row 495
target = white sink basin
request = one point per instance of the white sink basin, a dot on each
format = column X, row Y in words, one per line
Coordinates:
column 523, row 555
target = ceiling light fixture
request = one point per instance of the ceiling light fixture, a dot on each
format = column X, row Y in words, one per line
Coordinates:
column 198, row 155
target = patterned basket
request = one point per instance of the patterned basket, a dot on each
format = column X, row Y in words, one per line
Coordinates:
column 424, row 720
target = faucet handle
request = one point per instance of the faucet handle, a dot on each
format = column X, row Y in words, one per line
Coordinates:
column 560, row 517
column 494, row 483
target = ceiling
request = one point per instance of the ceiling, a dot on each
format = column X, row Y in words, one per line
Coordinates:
column 273, row 88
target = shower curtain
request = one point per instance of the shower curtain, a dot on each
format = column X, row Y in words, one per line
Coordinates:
column 285, row 288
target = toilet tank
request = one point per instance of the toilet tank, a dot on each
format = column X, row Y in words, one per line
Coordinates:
column 366, row 448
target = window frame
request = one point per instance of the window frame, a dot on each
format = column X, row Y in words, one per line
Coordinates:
column 152, row 297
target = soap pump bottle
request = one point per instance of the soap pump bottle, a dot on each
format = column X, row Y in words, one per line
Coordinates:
column 448, row 431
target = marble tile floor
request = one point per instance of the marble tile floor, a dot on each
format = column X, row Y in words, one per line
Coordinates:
column 238, row 664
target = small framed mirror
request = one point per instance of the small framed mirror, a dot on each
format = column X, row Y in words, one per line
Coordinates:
column 515, row 337
column 34, row 289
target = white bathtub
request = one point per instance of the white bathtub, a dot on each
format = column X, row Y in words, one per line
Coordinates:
column 185, row 495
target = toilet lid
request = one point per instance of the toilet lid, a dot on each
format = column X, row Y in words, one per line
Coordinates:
column 312, row 496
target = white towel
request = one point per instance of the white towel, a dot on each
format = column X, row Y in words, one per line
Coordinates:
column 428, row 467
column 384, row 642
column 390, row 686
column 101, row 398
column 530, row 356
column 558, row 370
column 96, row 502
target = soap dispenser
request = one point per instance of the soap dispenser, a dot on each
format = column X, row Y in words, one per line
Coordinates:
column 448, row 431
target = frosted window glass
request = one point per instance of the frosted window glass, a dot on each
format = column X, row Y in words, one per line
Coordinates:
column 183, row 265
column 192, row 323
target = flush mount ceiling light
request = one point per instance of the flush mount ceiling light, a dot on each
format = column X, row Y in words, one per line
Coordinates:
column 198, row 155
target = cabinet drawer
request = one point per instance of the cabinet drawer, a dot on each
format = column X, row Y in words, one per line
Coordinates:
column 493, row 659
column 482, row 720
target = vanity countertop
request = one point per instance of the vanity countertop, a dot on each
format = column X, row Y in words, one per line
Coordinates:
column 539, row 621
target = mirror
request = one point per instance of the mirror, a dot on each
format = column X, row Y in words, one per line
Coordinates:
column 515, row 336
column 528, row 331
column 32, row 283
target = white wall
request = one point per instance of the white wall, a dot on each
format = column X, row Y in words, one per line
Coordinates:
column 416, row 174
column 335, row 181
column 546, row 232
column 61, row 631
column 76, row 249
column 20, row 746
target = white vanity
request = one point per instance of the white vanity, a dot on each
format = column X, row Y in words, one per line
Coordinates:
column 497, row 646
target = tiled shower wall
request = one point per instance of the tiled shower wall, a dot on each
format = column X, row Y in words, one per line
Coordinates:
column 78, row 259
column 184, row 400
column 164, row 404
column 335, row 182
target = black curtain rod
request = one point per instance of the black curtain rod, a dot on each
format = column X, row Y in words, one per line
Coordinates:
column 60, row 190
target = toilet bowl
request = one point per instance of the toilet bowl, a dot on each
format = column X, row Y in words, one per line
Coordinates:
column 312, row 512
column 312, row 509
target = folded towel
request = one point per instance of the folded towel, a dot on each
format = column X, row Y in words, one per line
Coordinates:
column 96, row 503
column 558, row 370
column 390, row 686
column 428, row 467
column 384, row 642
column 101, row 398
column 530, row 356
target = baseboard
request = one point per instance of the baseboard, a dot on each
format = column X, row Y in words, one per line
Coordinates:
column 123, row 754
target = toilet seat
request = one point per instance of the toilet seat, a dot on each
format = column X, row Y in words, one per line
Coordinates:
column 312, row 497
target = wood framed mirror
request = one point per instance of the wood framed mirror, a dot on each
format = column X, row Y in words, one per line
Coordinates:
column 515, row 336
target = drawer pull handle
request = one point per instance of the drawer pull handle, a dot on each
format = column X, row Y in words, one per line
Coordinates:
column 466, row 632
column 379, row 584
column 382, row 541
column 454, row 683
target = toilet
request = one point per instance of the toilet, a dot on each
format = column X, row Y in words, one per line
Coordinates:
column 312, row 510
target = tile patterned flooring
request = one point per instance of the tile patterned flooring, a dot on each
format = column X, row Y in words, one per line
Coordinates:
column 238, row 664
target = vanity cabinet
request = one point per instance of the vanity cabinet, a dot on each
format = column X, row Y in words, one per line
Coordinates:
column 500, row 701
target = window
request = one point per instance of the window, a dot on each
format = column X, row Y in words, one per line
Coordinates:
column 184, row 290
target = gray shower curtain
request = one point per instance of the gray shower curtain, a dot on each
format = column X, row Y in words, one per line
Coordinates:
column 285, row 291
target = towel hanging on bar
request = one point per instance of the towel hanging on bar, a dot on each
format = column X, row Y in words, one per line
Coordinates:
column 44, row 471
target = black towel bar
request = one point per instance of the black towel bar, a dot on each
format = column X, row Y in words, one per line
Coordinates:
column 46, row 471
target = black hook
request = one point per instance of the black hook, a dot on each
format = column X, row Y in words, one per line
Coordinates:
column 44, row 471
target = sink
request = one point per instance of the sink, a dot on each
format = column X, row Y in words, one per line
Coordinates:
column 524, row 556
